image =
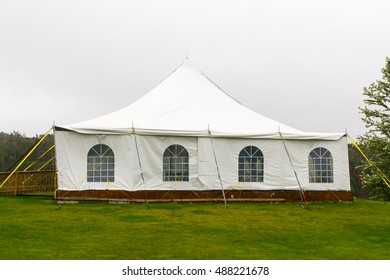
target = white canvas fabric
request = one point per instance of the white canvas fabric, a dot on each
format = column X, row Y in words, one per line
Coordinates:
column 189, row 110
column 187, row 103
column 72, row 149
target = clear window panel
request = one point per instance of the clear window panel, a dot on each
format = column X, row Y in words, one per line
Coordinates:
column 250, row 165
column 320, row 166
column 175, row 163
column 100, row 159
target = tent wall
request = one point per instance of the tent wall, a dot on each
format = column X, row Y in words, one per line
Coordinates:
column 72, row 150
column 278, row 172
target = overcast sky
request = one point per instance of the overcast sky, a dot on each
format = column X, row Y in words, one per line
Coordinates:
column 302, row 63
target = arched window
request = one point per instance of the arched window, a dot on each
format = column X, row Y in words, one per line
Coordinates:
column 320, row 166
column 101, row 164
column 251, row 165
column 175, row 164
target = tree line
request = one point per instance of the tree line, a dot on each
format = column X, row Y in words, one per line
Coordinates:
column 14, row 145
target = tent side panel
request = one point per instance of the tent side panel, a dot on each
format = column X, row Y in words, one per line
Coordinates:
column 276, row 169
column 72, row 157
column 136, row 152
column 299, row 152
column 151, row 150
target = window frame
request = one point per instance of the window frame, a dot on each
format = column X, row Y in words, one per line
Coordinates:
column 100, row 164
column 320, row 166
column 253, row 156
column 175, row 164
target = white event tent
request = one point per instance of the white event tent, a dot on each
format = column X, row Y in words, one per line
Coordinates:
column 187, row 134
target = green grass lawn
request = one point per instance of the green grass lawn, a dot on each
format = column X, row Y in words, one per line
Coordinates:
column 37, row 228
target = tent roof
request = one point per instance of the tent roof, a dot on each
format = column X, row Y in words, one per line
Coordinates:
column 187, row 103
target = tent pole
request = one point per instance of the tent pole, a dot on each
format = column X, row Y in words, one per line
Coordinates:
column 302, row 194
column 219, row 174
column 140, row 166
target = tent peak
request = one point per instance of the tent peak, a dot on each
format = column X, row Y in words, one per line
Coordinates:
column 188, row 63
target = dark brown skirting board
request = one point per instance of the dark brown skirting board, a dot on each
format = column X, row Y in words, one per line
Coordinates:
column 203, row 196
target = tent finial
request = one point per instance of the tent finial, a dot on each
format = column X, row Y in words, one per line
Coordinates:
column 186, row 60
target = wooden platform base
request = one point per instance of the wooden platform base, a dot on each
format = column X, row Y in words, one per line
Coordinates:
column 202, row 196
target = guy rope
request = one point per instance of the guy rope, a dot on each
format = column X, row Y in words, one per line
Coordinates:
column 24, row 158
column 381, row 174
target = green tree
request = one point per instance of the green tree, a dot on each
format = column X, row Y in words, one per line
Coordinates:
column 376, row 141
column 14, row 145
